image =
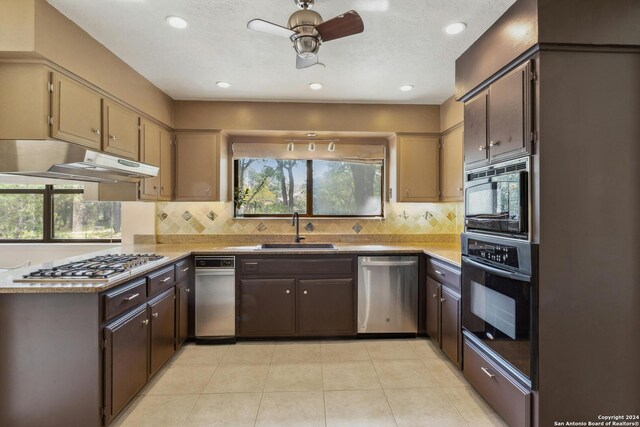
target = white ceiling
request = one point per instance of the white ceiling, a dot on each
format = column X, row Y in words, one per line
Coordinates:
column 403, row 43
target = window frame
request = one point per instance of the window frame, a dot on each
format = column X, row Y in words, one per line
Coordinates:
column 310, row 197
column 47, row 215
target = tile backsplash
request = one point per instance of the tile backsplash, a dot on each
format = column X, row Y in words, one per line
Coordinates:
column 189, row 218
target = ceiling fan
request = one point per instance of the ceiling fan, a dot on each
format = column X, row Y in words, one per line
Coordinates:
column 307, row 30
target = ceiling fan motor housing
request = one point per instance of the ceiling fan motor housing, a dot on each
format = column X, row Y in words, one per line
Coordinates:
column 306, row 41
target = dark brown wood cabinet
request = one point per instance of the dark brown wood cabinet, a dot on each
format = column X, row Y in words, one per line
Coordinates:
column 125, row 360
column 162, row 336
column 182, row 312
column 267, row 307
column 444, row 324
column 325, row 306
column 497, row 122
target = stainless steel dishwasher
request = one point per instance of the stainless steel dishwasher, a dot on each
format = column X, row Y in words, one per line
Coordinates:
column 388, row 294
column 215, row 299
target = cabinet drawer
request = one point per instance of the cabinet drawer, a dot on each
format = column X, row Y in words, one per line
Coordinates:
column 444, row 273
column 182, row 270
column 123, row 298
column 298, row 266
column 160, row 280
column 508, row 398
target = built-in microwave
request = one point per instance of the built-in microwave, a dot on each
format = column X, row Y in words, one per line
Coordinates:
column 497, row 199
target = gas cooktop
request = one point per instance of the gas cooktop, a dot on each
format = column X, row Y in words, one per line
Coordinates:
column 97, row 269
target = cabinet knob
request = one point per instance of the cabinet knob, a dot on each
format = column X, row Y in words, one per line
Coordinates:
column 434, row 295
column 482, row 147
column 287, row 291
column 155, row 315
column 187, row 290
column 441, row 299
column 145, row 322
column 406, row 191
column 162, row 187
column 96, row 131
column 460, row 189
column 155, row 188
column 305, row 292
column 494, row 143
column 112, row 137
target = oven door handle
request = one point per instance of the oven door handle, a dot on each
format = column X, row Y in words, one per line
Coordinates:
column 497, row 271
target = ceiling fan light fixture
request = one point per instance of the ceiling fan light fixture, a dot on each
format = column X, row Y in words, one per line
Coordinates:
column 315, row 86
column 455, row 28
column 306, row 46
column 223, row 85
column 177, row 22
column 406, row 88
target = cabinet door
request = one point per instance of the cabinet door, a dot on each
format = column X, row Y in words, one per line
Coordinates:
column 325, row 307
column 166, row 165
column 508, row 111
column 162, row 315
column 125, row 359
column 267, row 307
column 475, row 132
column 120, row 136
column 418, row 168
column 452, row 165
column 197, row 160
column 182, row 312
column 150, row 153
column 76, row 113
column 450, row 323
column 433, row 309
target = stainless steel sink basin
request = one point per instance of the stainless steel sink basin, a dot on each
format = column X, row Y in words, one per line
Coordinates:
column 297, row 246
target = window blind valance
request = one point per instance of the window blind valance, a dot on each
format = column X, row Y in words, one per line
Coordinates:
column 280, row 151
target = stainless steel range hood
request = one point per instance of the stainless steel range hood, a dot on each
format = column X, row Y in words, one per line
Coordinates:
column 62, row 160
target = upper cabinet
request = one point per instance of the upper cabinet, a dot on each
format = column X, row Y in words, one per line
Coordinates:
column 201, row 166
column 497, row 122
column 452, row 158
column 156, row 150
column 76, row 112
column 415, row 169
column 120, row 136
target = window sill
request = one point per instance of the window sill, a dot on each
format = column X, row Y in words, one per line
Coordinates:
column 310, row 218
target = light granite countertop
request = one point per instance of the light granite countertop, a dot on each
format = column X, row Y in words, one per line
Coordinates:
column 447, row 252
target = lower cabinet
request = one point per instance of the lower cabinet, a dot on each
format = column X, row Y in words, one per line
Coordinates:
column 182, row 312
column 325, row 306
column 450, row 328
column 126, row 372
column 267, row 307
column 162, row 343
column 433, row 309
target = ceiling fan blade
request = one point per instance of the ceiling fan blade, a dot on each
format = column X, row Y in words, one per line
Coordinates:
column 306, row 62
column 269, row 28
column 347, row 24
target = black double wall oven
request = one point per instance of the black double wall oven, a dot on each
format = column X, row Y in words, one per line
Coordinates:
column 499, row 263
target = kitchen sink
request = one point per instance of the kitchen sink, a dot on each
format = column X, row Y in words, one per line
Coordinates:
column 297, row 246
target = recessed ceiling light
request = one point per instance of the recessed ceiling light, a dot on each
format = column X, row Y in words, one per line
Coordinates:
column 315, row 86
column 177, row 22
column 223, row 85
column 455, row 28
column 406, row 88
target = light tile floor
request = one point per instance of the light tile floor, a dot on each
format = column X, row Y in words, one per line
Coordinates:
column 400, row 382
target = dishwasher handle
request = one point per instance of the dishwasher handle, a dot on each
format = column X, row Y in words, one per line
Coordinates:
column 215, row 272
column 388, row 263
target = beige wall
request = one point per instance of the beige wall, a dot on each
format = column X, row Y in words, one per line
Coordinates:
column 34, row 28
column 137, row 218
column 277, row 116
column 451, row 113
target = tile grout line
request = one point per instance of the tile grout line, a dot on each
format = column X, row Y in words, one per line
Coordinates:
column 264, row 386
column 382, row 388
column 205, row 386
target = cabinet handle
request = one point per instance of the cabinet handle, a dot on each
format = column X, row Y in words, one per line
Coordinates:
column 132, row 297
column 145, row 322
column 162, row 187
column 482, row 147
column 460, row 188
column 112, row 137
column 185, row 269
column 96, row 131
column 440, row 273
column 187, row 290
column 165, row 279
column 305, row 292
column 434, row 295
column 208, row 190
column 494, row 143
column 441, row 299
column 155, row 315
column 486, row 371
column 406, row 191
column 287, row 291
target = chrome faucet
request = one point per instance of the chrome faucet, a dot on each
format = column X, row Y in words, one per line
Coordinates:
column 295, row 220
